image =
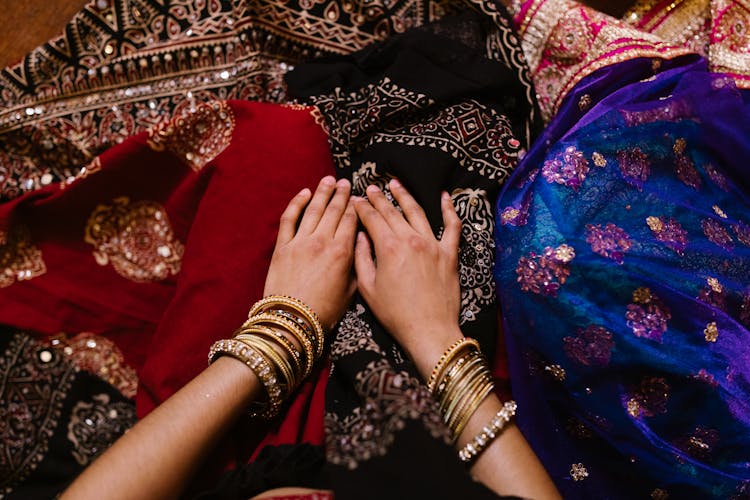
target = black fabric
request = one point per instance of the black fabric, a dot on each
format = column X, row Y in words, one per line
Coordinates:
column 441, row 108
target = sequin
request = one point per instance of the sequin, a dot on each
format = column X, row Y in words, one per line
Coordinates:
column 713, row 294
column 578, row 472
column 706, row 377
column 634, row 166
column 711, row 332
column 20, row 259
column 609, row 241
column 659, row 494
column 717, row 177
column 648, row 399
column 584, row 102
column 742, row 231
column 516, row 215
column 591, row 346
column 556, row 371
column 699, row 444
column 544, row 274
column 599, row 159
column 687, row 173
column 669, row 232
column 569, row 168
column 718, row 211
column 717, row 234
column 648, row 316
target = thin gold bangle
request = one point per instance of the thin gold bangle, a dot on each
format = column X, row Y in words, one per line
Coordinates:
column 264, row 333
column 446, row 358
column 290, row 327
column 297, row 305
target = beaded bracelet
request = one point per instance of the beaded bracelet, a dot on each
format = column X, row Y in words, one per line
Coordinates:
column 295, row 358
column 259, row 365
column 489, row 433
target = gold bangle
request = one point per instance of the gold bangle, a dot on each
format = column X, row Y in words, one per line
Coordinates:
column 446, row 358
column 298, row 306
column 489, row 433
column 463, row 393
column 259, row 365
column 282, row 365
column 479, row 398
column 448, row 380
column 459, row 379
column 292, row 328
column 285, row 345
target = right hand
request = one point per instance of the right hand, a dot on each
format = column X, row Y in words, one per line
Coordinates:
column 412, row 285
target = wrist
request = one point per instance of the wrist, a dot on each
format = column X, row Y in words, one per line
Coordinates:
column 429, row 345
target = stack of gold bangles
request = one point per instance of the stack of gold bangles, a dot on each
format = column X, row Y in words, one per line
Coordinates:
column 261, row 340
column 460, row 381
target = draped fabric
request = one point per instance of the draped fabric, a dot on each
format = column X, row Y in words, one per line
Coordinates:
column 140, row 208
column 623, row 267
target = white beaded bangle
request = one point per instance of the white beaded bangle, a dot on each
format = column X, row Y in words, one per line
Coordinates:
column 488, row 434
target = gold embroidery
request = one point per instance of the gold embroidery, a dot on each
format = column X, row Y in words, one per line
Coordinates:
column 711, row 332
column 718, row 211
column 101, row 357
column 198, row 136
column 659, row 494
column 95, row 425
column 599, row 160
column 565, row 42
column 578, row 472
column 682, row 22
column 20, row 259
column 715, row 285
column 633, row 407
column 730, row 40
column 136, row 238
column 556, row 371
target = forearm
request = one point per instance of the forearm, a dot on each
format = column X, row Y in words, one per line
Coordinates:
column 508, row 465
column 157, row 456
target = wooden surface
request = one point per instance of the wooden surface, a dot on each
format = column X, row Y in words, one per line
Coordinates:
column 30, row 23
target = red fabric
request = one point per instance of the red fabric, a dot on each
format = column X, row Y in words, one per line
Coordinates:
column 226, row 215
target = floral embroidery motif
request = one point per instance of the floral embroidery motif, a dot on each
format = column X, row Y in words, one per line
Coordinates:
column 367, row 175
column 730, row 39
column 742, row 231
column 647, row 316
column 599, row 160
column 592, row 346
column 699, row 444
column 717, row 234
column 390, row 398
column 634, row 166
column 34, row 381
column 353, row 335
column 711, row 332
column 20, row 259
column 557, row 372
column 649, row 398
column 516, row 216
column 196, row 137
column 101, row 357
column 476, row 252
column 578, row 472
column 609, row 241
column 568, row 168
column 714, row 294
column 94, row 427
column 684, row 167
column 706, row 377
column 669, row 232
column 136, row 238
column 717, row 177
column 544, row 274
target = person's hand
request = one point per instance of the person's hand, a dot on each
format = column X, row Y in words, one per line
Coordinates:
column 412, row 285
column 313, row 262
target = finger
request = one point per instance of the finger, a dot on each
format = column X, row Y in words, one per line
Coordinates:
column 411, row 209
column 347, row 225
column 393, row 217
column 336, row 208
column 451, row 223
column 317, row 205
column 289, row 218
column 376, row 226
column 364, row 265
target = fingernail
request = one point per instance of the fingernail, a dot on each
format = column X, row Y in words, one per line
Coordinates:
column 372, row 188
column 342, row 183
column 360, row 236
column 304, row 192
column 329, row 179
column 395, row 183
column 446, row 196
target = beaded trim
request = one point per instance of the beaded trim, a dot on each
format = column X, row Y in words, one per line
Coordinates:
column 489, row 433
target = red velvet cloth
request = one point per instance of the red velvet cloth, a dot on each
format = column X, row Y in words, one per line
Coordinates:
column 226, row 215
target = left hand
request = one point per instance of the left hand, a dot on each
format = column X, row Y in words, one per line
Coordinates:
column 313, row 262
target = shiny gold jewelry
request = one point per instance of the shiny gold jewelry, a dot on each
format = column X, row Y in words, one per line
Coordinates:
column 297, row 306
column 288, row 326
column 260, row 366
column 448, row 380
column 469, row 384
column 447, row 357
column 279, row 340
column 489, row 433
column 447, row 395
column 282, row 365
column 468, row 409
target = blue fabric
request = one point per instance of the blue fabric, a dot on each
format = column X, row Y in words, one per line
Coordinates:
column 623, row 270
